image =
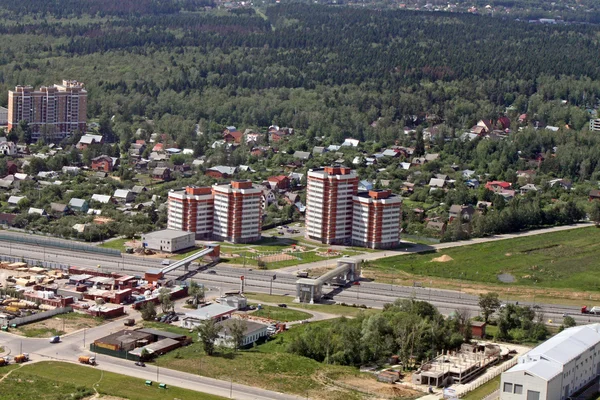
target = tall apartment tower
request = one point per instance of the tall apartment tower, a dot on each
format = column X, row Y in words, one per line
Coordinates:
column 329, row 194
column 376, row 219
column 237, row 216
column 54, row 112
column 192, row 210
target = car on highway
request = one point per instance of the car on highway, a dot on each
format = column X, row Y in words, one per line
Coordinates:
column 212, row 272
column 165, row 262
column 55, row 339
column 282, row 305
column 140, row 364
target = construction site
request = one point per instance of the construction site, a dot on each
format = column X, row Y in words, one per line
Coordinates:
column 460, row 366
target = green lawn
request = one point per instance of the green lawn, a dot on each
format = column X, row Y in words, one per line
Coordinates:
column 565, row 260
column 335, row 309
column 483, row 390
column 281, row 314
column 267, row 365
column 117, row 244
column 51, row 380
column 58, row 325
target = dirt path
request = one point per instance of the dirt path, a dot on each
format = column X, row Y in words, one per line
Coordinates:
column 10, row 372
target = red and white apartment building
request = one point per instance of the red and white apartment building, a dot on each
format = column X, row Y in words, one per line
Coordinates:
column 329, row 194
column 192, row 210
column 336, row 213
column 229, row 212
column 376, row 220
column 238, row 217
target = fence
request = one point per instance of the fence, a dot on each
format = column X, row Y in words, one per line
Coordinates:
column 32, row 261
column 39, row 316
column 60, row 244
column 490, row 374
column 114, row 353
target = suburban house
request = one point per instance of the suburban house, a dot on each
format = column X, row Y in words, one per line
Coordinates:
column 80, row 205
column 104, row 163
column 14, row 200
column 88, row 140
column 101, row 198
column 437, row 183
column 138, row 189
column 232, row 136
column 8, row 148
column 530, row 187
column 437, row 227
column 11, row 168
column 267, row 197
column 124, row 195
column 302, row 155
column 161, row 174
column 37, row 211
column 280, row 182
column 253, row 332
column 594, row 195
column 59, row 208
column 464, row 212
column 221, row 172
column 7, row 219
column 497, row 186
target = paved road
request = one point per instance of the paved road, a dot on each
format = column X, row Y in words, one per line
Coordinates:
column 72, row 346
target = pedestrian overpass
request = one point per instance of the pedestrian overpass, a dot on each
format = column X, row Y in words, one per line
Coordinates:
column 311, row 290
column 212, row 251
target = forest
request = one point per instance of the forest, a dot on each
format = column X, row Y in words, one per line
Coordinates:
column 186, row 70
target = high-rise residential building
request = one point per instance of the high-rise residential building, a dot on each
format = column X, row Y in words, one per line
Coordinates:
column 53, row 112
column 376, row 219
column 237, row 216
column 595, row 124
column 192, row 209
column 329, row 194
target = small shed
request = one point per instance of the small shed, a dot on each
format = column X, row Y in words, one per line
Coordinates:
column 478, row 329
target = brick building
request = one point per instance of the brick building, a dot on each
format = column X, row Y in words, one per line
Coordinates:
column 192, row 210
column 329, row 204
column 237, row 216
column 52, row 111
column 376, row 219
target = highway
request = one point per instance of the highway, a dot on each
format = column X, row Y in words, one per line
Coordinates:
column 227, row 278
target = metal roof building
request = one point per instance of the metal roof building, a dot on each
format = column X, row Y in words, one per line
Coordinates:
column 557, row 368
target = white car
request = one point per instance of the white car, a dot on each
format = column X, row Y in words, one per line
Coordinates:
column 165, row 262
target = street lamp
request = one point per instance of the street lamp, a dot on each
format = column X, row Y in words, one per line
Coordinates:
column 271, row 286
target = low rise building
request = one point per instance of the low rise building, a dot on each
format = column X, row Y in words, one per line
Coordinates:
column 557, row 368
column 217, row 312
column 253, row 331
column 168, row 240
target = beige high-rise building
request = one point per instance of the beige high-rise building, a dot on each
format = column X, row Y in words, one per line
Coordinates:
column 53, row 112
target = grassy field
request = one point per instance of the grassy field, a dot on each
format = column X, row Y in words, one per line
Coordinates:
column 268, row 366
column 117, row 244
column 334, row 309
column 55, row 380
column 58, row 325
column 483, row 390
column 281, row 314
column 561, row 260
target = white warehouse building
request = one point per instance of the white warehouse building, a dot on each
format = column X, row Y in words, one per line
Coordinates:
column 557, row 368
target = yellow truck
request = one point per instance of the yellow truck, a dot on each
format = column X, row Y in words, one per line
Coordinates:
column 87, row 360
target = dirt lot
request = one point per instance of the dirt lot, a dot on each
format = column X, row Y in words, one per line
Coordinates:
column 277, row 257
column 58, row 325
column 375, row 387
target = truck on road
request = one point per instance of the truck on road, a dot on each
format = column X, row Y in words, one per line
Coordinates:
column 3, row 361
column 87, row 360
column 21, row 358
column 593, row 310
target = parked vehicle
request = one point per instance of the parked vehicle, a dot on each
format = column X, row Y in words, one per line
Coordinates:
column 282, row 305
column 21, row 358
column 55, row 339
column 3, row 361
column 593, row 310
column 87, row 360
